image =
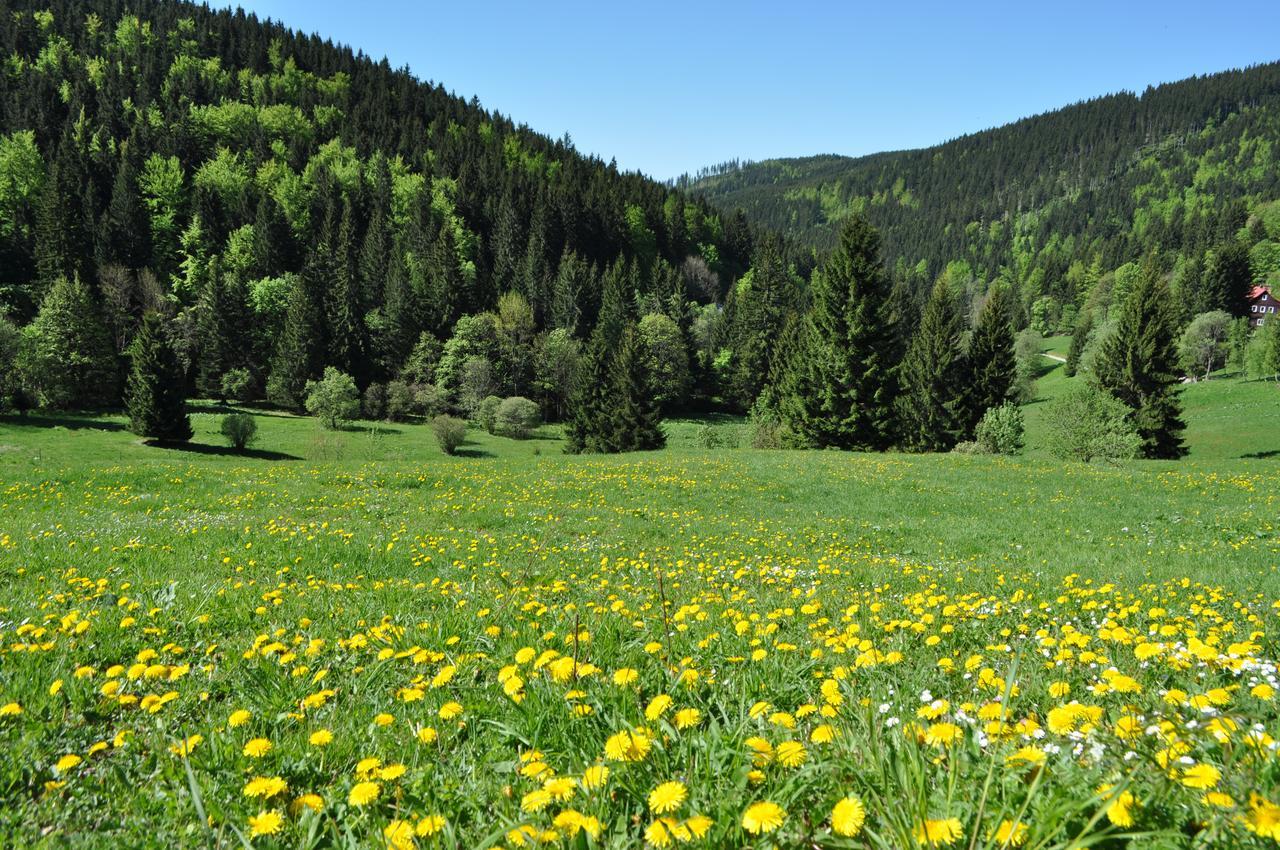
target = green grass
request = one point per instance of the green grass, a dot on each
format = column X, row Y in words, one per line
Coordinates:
column 368, row 557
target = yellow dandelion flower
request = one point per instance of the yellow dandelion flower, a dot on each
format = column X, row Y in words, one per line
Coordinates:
column 1263, row 817
column 1200, row 776
column 687, row 718
column 265, row 786
column 848, row 816
column 363, row 793
column 265, row 823
column 667, row 797
column 938, row 833
column 450, row 710
column 239, row 718
column 594, row 777
column 1010, row 833
column 627, row 746
column 321, row 738
column 763, row 817
column 67, row 762
column 430, row 825
column 399, row 835
column 257, row 748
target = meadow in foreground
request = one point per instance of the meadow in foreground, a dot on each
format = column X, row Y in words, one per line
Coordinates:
column 719, row 649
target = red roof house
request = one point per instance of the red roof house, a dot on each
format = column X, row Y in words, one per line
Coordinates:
column 1262, row 305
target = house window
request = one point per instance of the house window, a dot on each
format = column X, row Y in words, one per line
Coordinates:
column 1254, row 308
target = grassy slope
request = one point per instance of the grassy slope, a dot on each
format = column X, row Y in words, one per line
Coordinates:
column 1212, row 516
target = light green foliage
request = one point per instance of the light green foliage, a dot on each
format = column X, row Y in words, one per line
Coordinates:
column 240, row 430
column 1203, row 346
column 487, row 412
column 1001, row 430
column 1262, row 356
column 238, row 384
column 517, row 417
column 333, row 399
column 1087, row 423
column 643, row 242
column 161, row 185
column 450, row 433
column 22, row 174
column 67, row 358
column 226, row 174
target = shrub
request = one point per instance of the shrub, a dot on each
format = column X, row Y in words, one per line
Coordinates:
column 237, row 385
column 1089, row 423
column 399, row 401
column 239, row 429
column 374, row 402
column 487, row 412
column 334, row 398
column 450, row 431
column 711, row 437
column 1000, row 431
column 429, row 399
column 517, row 417
column 969, row 447
column 1026, row 350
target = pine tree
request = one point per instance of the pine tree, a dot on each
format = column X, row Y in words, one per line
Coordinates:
column 594, row 400
column 275, row 249
column 932, row 405
column 849, row 383
column 299, row 355
column 348, row 343
column 68, row 359
column 990, row 365
column 154, row 395
column 1138, row 364
column 124, row 235
column 637, row 418
column 760, row 304
column 1079, row 338
column 221, row 328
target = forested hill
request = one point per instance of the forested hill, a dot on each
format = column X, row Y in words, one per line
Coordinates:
column 1176, row 169
column 221, row 169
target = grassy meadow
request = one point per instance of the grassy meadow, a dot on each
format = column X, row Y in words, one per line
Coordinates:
column 348, row 639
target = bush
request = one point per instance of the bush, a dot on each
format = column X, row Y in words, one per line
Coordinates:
column 334, row 398
column 1089, row 423
column 517, row 417
column 711, row 437
column 969, row 447
column 1000, row 431
column 429, row 399
column 374, row 402
column 487, row 412
column 239, row 429
column 399, row 402
column 237, row 385
column 450, row 431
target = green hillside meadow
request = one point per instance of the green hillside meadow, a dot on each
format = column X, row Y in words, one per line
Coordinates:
column 354, row 634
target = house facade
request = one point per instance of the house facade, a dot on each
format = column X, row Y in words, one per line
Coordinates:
column 1262, row 306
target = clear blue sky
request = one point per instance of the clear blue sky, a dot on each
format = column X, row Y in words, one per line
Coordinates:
column 668, row 87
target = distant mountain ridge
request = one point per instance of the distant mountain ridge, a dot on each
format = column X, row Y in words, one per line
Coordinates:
column 1175, row 168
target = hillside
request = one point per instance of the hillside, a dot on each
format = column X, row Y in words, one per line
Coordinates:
column 1053, row 198
column 232, row 173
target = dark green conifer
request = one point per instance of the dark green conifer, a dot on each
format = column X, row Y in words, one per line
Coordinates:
column 154, row 394
column 932, row 405
column 991, row 366
column 1138, row 364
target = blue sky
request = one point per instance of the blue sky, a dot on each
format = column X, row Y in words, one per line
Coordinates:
column 668, row 87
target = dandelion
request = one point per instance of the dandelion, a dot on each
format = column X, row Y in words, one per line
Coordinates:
column 11, row 709
column 938, row 833
column 1200, row 776
column 1263, row 817
column 763, row 817
column 399, row 835
column 1010, row 833
column 257, row 748
column 238, row 718
column 594, row 777
column 627, row 746
column 67, row 762
column 430, row 825
column 265, row 787
column 450, row 710
column 320, row 738
column 687, row 718
column 667, row 797
column 848, row 817
column 265, row 823
column 364, row 793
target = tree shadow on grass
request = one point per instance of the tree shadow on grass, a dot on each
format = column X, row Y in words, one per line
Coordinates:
column 1261, row 455
column 226, row 451
column 472, row 452
column 53, row 420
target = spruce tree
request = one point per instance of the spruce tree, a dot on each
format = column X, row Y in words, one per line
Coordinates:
column 1138, row 364
column 300, row 352
column 154, row 395
column 850, row 383
column 348, row 344
column 933, row 405
column 1079, row 338
column 222, row 326
column 991, row 366
column 68, row 359
column 637, row 416
column 594, row 399
column 124, row 235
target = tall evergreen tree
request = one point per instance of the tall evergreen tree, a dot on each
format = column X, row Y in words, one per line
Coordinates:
column 1138, row 364
column 1228, row 278
column 154, row 394
column 124, row 235
column 637, row 416
column 849, row 362
column 222, row 326
column 759, row 305
column 300, row 352
column 990, row 365
column 1079, row 338
column 348, row 343
column 594, row 400
column 933, row 409
column 68, row 358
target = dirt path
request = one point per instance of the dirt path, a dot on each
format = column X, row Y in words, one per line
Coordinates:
column 1053, row 357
